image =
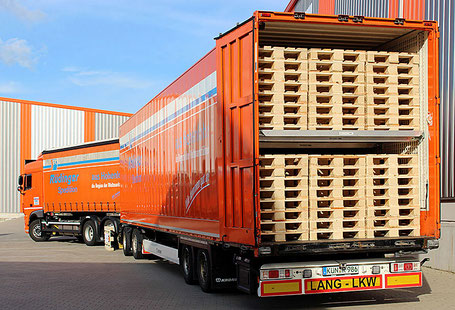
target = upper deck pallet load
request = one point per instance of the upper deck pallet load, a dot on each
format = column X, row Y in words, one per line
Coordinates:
column 298, row 134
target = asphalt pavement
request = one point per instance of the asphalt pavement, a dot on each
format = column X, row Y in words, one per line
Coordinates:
column 65, row 274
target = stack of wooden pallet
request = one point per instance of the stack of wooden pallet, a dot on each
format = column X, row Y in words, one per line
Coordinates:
column 337, row 197
column 392, row 192
column 284, row 197
column 336, row 89
column 392, row 91
column 283, row 86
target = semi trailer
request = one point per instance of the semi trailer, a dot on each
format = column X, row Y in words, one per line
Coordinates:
column 72, row 191
column 299, row 156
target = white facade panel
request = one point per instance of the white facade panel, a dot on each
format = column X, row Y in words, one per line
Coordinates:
column 55, row 127
column 107, row 125
column 10, row 154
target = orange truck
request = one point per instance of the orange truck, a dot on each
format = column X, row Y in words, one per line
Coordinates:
column 73, row 191
column 299, row 156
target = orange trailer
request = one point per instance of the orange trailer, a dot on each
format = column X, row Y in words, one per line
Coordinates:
column 196, row 188
column 73, row 190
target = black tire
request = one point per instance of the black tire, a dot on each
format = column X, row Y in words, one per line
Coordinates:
column 187, row 264
column 136, row 244
column 204, row 271
column 34, row 231
column 126, row 241
column 89, row 233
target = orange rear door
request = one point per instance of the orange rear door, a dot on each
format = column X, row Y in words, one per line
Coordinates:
column 235, row 93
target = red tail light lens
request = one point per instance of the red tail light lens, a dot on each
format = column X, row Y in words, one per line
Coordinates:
column 273, row 274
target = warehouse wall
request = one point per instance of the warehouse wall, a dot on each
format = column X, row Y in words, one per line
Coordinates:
column 106, row 126
column 10, row 125
column 27, row 128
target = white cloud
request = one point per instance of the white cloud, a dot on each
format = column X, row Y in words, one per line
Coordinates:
column 24, row 13
column 9, row 88
column 83, row 77
column 17, row 51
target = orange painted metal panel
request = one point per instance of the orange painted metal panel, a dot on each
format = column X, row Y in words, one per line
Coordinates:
column 414, row 9
column 394, row 8
column 89, row 126
column 62, row 106
column 171, row 155
column 26, row 142
column 327, row 7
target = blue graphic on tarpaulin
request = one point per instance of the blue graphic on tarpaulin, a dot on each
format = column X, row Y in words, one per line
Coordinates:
column 54, row 164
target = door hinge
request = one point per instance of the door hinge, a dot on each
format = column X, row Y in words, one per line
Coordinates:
column 438, row 160
column 438, row 100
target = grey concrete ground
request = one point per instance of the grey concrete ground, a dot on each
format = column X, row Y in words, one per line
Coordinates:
column 64, row 274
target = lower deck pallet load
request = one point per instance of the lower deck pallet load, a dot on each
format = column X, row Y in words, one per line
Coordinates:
column 317, row 197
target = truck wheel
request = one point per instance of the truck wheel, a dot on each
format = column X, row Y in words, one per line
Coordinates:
column 89, row 233
column 136, row 244
column 35, row 232
column 126, row 241
column 187, row 265
column 204, row 271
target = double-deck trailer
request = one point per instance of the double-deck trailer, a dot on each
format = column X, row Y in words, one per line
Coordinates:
column 299, row 156
column 72, row 191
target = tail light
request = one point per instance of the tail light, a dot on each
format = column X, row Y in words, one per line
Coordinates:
column 275, row 274
column 404, row 267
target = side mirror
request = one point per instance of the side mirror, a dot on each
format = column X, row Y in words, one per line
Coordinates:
column 20, row 181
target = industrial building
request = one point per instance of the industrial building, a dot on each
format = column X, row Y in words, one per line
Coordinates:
column 442, row 11
column 28, row 127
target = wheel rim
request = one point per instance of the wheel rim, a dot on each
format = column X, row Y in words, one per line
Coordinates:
column 88, row 233
column 37, row 231
column 134, row 239
column 186, row 261
column 124, row 241
column 203, row 267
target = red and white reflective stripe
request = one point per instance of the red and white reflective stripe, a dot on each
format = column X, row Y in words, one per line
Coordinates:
column 33, row 208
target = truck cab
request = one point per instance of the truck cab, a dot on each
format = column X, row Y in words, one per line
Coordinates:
column 30, row 186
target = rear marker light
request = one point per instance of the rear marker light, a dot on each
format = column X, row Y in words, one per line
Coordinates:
column 275, row 274
column 405, row 267
column 266, row 14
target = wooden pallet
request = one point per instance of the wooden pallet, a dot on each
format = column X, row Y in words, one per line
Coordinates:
column 392, row 82
column 337, row 196
column 392, row 196
column 284, row 197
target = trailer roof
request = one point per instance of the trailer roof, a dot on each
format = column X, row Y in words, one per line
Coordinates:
column 81, row 146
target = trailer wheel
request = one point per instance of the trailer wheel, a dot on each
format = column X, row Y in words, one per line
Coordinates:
column 126, row 241
column 89, row 233
column 36, row 233
column 187, row 264
column 204, row 271
column 136, row 244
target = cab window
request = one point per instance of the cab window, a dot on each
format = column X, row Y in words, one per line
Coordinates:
column 28, row 182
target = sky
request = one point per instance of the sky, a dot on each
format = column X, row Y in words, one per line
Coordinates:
column 108, row 54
